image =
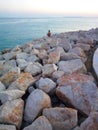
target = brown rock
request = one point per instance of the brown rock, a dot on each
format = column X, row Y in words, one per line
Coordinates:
column 61, row 118
column 11, row 112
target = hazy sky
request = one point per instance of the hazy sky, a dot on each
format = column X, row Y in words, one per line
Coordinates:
column 9, row 8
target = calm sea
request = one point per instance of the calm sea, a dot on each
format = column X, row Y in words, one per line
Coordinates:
column 18, row 31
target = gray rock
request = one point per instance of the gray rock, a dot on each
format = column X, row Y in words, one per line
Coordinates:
column 22, row 63
column 7, row 127
column 72, row 66
column 31, row 89
column 32, row 58
column 11, row 63
column 43, row 54
column 61, row 118
column 36, row 102
column 28, row 47
column 91, row 123
column 4, row 69
column 76, row 128
column 34, row 68
column 85, row 47
column 40, row 123
column 95, row 62
column 57, row 74
column 9, row 95
column 48, row 69
column 46, row 84
column 2, row 87
column 34, row 52
column 22, row 55
column 11, row 112
column 9, row 55
column 82, row 95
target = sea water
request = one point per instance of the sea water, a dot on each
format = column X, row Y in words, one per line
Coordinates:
column 18, row 31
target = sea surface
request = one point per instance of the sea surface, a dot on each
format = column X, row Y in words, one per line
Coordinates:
column 18, row 31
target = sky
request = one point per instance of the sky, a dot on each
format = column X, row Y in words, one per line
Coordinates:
column 34, row 8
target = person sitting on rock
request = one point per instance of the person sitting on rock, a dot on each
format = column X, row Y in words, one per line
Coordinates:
column 49, row 33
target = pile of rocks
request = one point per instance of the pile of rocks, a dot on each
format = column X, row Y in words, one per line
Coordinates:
column 45, row 84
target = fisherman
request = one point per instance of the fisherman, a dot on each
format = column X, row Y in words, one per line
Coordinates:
column 49, row 33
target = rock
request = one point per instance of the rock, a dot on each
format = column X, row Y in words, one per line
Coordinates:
column 61, row 118
column 57, row 74
column 22, row 55
column 9, row 55
column 54, row 57
column 28, row 47
column 34, row 52
column 10, row 76
column 48, row 69
column 65, row 43
column 7, row 127
column 46, row 84
column 32, row 58
column 36, row 102
column 43, row 54
column 23, row 82
column 72, row 66
column 34, row 68
column 11, row 63
column 60, row 50
column 1, row 57
column 83, row 96
column 40, row 123
column 22, row 63
column 16, row 49
column 69, row 56
column 74, row 78
column 85, row 47
column 95, row 62
column 4, row 69
column 11, row 112
column 91, row 123
column 76, row 128
column 9, row 95
column 2, row 87
column 31, row 89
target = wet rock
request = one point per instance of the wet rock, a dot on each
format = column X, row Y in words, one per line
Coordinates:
column 22, row 55
column 83, row 96
column 34, row 68
column 91, row 123
column 74, row 78
column 10, row 76
column 54, row 57
column 9, row 95
column 57, row 74
column 22, row 63
column 72, row 66
column 61, row 118
column 46, row 84
column 7, row 127
column 11, row 112
column 48, row 69
column 40, row 123
column 95, row 62
column 2, row 87
column 36, row 102
column 23, row 82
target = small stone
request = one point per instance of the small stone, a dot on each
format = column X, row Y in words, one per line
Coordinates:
column 48, row 69
column 36, row 102
column 9, row 95
column 11, row 112
column 46, row 84
column 61, row 118
column 40, row 123
column 9, row 55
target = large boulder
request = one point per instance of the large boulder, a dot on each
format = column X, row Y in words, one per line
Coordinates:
column 83, row 96
column 61, row 118
column 40, row 123
column 11, row 112
column 48, row 69
column 36, row 102
column 32, row 58
column 57, row 74
column 22, row 63
column 91, row 123
column 22, row 55
column 9, row 95
column 11, row 63
column 34, row 68
column 23, row 82
column 46, row 84
column 2, row 87
column 10, row 76
column 9, row 55
column 4, row 69
column 7, row 127
column 72, row 66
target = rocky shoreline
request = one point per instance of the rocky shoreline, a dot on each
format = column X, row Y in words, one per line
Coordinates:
column 50, row 83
